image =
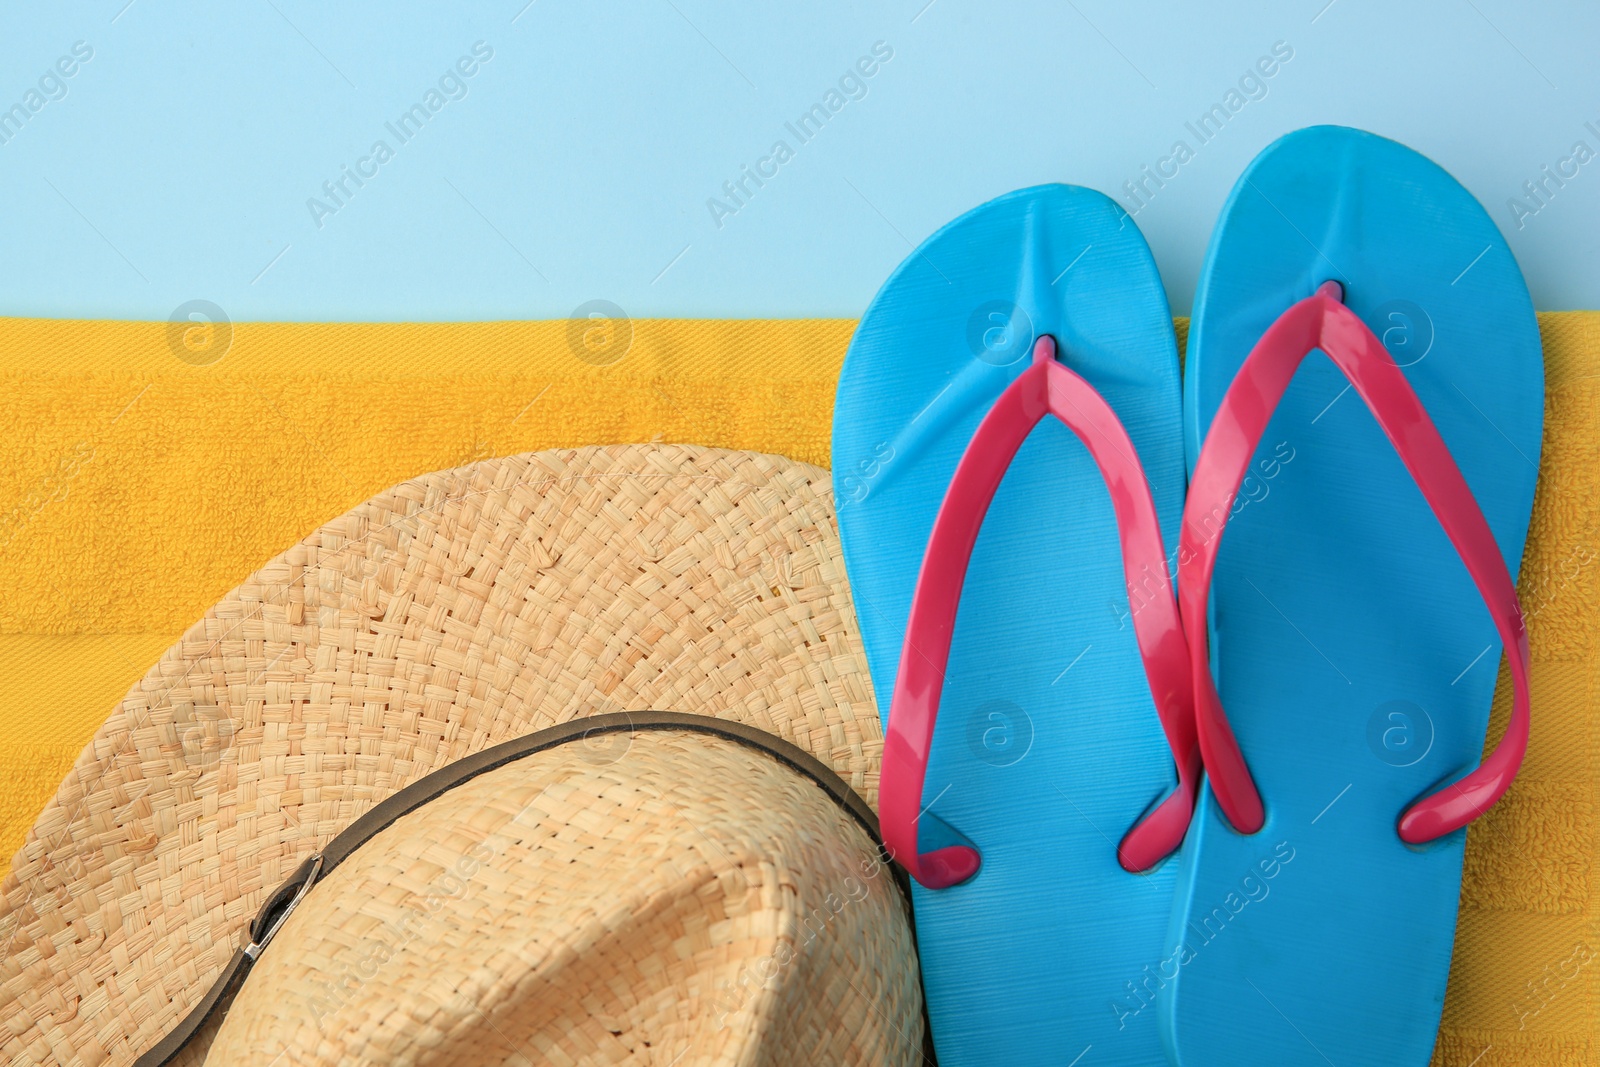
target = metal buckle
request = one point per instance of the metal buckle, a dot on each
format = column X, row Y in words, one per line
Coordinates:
column 253, row 949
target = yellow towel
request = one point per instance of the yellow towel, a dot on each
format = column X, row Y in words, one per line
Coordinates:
column 136, row 488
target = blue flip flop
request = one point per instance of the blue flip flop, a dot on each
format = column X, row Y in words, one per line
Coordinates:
column 1044, row 618
column 1375, row 497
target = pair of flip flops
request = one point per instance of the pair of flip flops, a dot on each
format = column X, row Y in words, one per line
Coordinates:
column 1359, row 422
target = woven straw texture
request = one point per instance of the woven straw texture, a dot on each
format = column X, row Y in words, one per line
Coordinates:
column 455, row 611
column 136, row 489
column 672, row 898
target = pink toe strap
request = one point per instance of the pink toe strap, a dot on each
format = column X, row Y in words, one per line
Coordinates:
column 1321, row 322
column 1045, row 388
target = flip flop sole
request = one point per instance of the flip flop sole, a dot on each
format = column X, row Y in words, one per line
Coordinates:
column 1048, row 747
column 1353, row 654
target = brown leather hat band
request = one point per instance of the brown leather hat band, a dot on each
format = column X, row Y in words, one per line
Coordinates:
column 282, row 900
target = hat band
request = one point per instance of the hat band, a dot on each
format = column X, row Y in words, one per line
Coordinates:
column 283, row 900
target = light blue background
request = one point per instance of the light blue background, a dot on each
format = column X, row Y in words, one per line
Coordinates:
column 578, row 166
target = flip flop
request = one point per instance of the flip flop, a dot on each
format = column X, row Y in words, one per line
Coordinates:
column 1051, row 770
column 1375, row 500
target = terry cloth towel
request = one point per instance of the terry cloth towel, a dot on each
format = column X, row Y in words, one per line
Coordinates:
column 143, row 476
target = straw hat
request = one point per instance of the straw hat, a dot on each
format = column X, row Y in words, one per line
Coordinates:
column 694, row 888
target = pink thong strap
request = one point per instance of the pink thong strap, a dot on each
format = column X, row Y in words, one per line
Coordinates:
column 1045, row 388
column 1322, row 322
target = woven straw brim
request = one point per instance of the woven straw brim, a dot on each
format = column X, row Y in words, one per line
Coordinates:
column 673, row 899
column 456, row 611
